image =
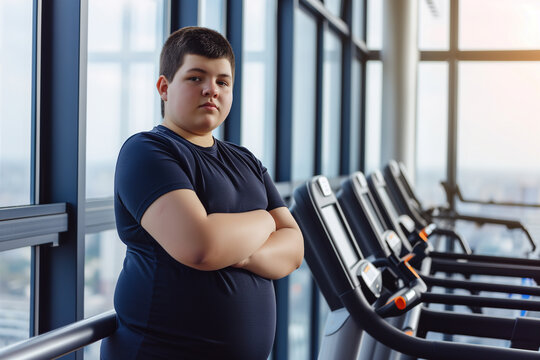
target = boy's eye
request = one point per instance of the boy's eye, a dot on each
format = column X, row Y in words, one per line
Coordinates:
column 223, row 83
column 194, row 78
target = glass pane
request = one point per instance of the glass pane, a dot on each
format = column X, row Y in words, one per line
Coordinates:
column 356, row 84
column 334, row 6
column 259, row 80
column 212, row 14
column 303, row 136
column 299, row 312
column 121, row 96
column 498, row 148
column 358, row 18
column 14, row 295
column 499, row 24
column 431, row 131
column 331, row 107
column 374, row 24
column 15, row 101
column 434, row 25
column 103, row 257
column 373, row 115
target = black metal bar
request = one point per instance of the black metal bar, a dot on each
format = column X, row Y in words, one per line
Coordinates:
column 477, row 268
column 60, row 286
column 284, row 89
column 321, row 28
column 485, row 258
column 465, row 324
column 64, row 340
column 482, row 301
column 184, row 13
column 480, row 286
column 233, row 125
column 346, row 90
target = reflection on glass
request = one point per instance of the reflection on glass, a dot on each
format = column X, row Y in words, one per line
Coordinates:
column 259, row 80
column 501, row 24
column 498, row 148
column 124, row 41
column 300, row 283
column 434, row 25
column 15, row 101
column 14, row 295
column 431, row 131
column 358, row 18
column 355, row 136
column 103, row 257
column 374, row 24
column 334, row 6
column 373, row 116
column 304, row 86
column 331, row 107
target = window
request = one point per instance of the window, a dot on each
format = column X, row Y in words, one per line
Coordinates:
column 212, row 14
column 259, row 80
column 103, row 258
column 334, row 6
column 434, row 25
column 14, row 295
column 124, row 41
column 304, row 90
column 500, row 24
column 300, row 283
column 15, row 101
column 358, row 19
column 431, row 131
column 373, row 116
column 331, row 107
column 498, row 149
column 374, row 24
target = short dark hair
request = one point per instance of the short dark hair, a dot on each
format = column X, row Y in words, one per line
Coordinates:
column 192, row 40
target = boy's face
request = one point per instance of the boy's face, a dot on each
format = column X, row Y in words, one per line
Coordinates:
column 199, row 97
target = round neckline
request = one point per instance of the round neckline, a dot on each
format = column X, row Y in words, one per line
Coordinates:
column 212, row 148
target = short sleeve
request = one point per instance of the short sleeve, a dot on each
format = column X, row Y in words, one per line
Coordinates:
column 147, row 169
column 274, row 198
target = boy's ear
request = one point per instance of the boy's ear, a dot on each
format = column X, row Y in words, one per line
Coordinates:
column 162, row 85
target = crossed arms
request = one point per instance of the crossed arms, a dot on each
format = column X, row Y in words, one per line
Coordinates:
column 268, row 244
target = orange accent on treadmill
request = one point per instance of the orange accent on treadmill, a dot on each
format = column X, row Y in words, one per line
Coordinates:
column 400, row 302
column 412, row 270
column 423, row 235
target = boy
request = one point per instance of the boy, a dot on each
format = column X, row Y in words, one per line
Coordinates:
column 205, row 228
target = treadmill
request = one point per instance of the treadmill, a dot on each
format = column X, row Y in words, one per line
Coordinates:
column 463, row 262
column 360, row 299
column 407, row 202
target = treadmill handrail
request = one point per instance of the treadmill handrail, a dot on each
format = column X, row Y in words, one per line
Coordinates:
column 459, row 195
column 64, row 340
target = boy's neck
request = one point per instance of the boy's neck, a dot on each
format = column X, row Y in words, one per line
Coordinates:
column 206, row 140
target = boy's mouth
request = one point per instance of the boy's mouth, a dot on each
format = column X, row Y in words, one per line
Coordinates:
column 209, row 105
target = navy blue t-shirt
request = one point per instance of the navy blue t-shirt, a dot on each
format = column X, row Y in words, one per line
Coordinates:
column 167, row 310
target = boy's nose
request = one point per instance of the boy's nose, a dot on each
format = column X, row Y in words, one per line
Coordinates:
column 210, row 90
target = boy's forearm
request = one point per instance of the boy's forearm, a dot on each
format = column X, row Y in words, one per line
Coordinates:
column 233, row 237
column 280, row 255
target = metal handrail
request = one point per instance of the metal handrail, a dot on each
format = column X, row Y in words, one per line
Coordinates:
column 64, row 340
